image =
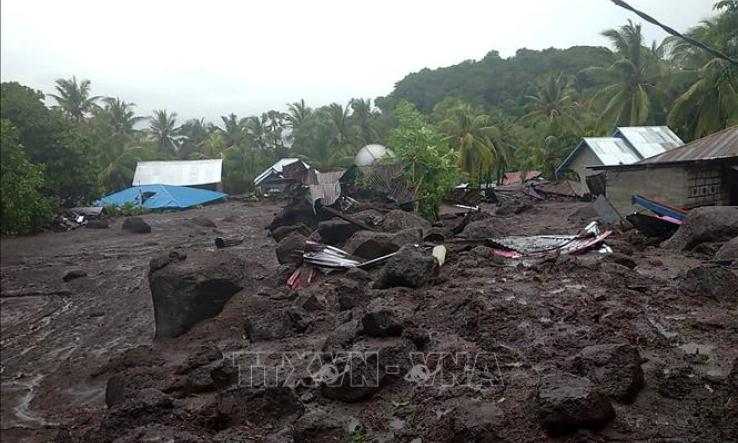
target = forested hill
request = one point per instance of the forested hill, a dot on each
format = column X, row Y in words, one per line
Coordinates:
column 499, row 82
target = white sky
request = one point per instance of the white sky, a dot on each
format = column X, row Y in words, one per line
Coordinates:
column 210, row 58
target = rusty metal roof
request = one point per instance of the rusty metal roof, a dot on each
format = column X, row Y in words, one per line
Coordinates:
column 722, row 144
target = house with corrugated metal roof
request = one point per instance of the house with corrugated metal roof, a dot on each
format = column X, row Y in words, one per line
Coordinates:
column 626, row 146
column 203, row 174
column 701, row 173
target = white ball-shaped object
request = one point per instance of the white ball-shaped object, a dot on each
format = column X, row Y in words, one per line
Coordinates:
column 370, row 154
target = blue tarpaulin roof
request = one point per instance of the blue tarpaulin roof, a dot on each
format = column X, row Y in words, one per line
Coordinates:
column 161, row 197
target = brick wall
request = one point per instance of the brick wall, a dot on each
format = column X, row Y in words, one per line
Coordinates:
column 677, row 186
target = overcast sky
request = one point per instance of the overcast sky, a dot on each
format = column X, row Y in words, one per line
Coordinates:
column 210, row 58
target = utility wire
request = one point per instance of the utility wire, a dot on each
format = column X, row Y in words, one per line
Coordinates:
column 675, row 33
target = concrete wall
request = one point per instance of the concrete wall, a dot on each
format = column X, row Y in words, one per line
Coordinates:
column 678, row 186
column 579, row 165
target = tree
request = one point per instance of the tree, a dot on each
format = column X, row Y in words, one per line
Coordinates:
column 314, row 143
column 23, row 207
column 365, row 117
column 241, row 164
column 554, row 104
column 431, row 165
column 164, row 130
column 119, row 173
column 74, row 98
column 471, row 136
column 119, row 115
column 53, row 141
column 339, row 120
column 297, row 113
column 194, row 134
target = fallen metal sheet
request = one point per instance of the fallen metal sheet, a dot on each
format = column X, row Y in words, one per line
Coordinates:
column 519, row 246
column 660, row 208
column 606, row 211
column 325, row 256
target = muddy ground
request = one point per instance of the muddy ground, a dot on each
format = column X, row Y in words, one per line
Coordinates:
column 519, row 319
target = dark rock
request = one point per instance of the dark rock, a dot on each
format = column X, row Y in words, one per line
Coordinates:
column 411, row 267
column 163, row 260
column 381, row 322
column 614, row 368
column 346, row 301
column 350, row 293
column 335, row 231
column 199, row 381
column 299, row 210
column 677, row 382
column 319, row 426
column 274, row 405
column 370, row 366
column 203, row 355
column 418, row 336
column 370, row 244
column 709, row 281
column 136, row 225
column 309, row 300
column 188, row 291
column 398, row 220
column 203, row 221
column 621, row 259
column 125, row 384
column 728, row 251
column 511, row 207
column 224, row 373
column 341, row 338
column 289, row 250
column 733, row 375
column 278, row 324
column 283, row 232
column 706, row 224
column 71, row 275
column 358, row 274
column 487, row 228
column 371, row 217
column 565, row 403
column 475, row 420
column 98, row 224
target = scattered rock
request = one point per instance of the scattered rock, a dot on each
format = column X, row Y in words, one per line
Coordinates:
column 276, row 325
column 358, row 274
column 126, row 384
column 706, row 224
column 282, row 232
column 223, row 373
column 310, row 301
column 614, row 368
column 289, row 250
column 487, row 228
column 334, row 232
column 163, row 260
column 729, row 250
column 188, row 291
column 271, row 405
column 136, row 225
column 341, row 337
column 475, row 420
column 369, row 244
column 73, row 274
column 565, row 403
column 203, row 355
column 97, row 224
column 381, row 322
column 203, row 221
column 418, row 336
column 411, row 267
column 709, row 281
column 398, row 220
column 320, row 426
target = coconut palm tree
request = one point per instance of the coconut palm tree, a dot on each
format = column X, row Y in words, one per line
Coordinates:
column 555, row 105
column 365, row 117
column 119, row 115
column 472, row 136
column 233, row 130
column 339, row 122
column 118, row 174
column 74, row 98
column 634, row 96
column 297, row 112
column 164, row 130
column 256, row 128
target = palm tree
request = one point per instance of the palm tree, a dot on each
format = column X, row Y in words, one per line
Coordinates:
column 233, row 130
column 365, row 117
column 118, row 174
column 74, row 98
column 119, row 115
column 339, row 122
column 241, row 164
column 471, row 135
column 555, row 105
column 297, row 112
column 257, row 132
column 633, row 97
column 164, row 130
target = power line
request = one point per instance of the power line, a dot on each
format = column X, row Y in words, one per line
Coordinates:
column 675, row 33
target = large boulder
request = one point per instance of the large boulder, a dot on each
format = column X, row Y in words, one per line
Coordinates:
column 136, row 225
column 397, row 220
column 277, row 324
column 411, row 267
column 566, row 403
column 187, row 291
column 614, row 368
column 729, row 250
column 370, row 244
column 282, row 232
column 707, row 224
column 289, row 249
column 709, row 281
column 335, row 232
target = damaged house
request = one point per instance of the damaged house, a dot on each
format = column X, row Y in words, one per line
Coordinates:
column 626, row 146
column 701, row 173
column 201, row 174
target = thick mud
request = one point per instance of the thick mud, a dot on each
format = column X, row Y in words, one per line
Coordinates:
column 488, row 329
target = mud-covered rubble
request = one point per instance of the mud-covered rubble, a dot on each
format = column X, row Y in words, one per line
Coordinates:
column 637, row 345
